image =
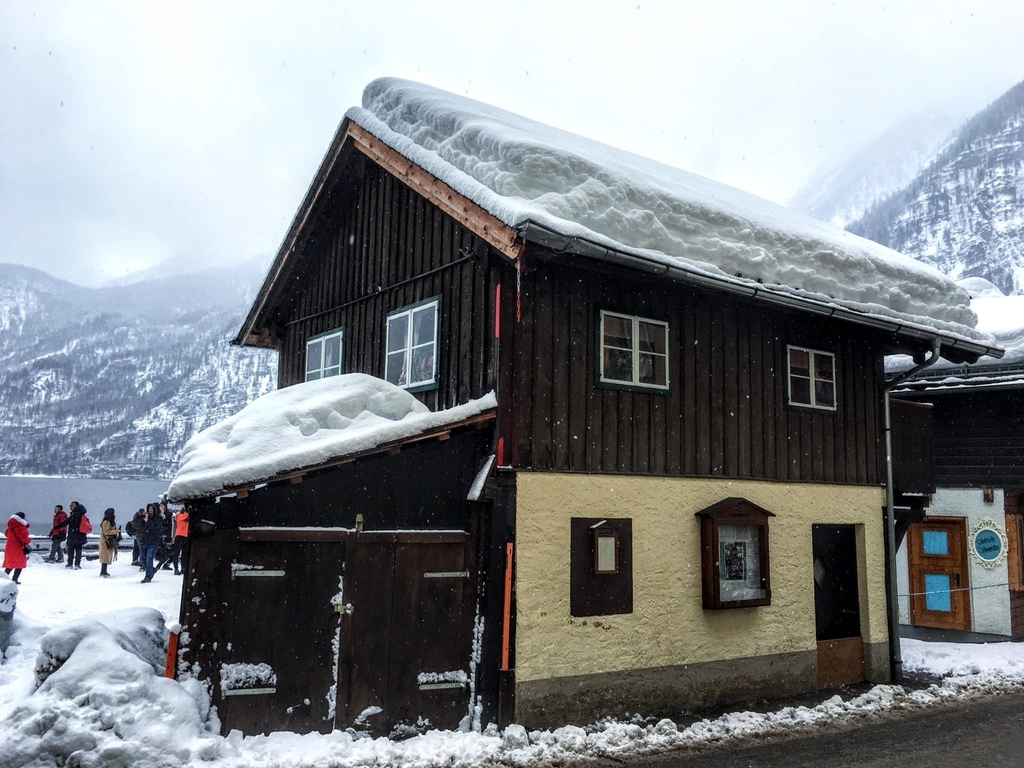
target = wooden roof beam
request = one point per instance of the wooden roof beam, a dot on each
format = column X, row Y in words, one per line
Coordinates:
column 498, row 234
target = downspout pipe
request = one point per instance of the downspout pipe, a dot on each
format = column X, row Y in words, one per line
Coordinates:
column 895, row 652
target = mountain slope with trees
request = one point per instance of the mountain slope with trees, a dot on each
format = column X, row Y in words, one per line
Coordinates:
column 964, row 212
column 111, row 382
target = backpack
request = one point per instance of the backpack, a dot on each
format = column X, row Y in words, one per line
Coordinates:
column 84, row 526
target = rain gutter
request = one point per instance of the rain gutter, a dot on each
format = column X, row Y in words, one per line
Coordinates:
column 895, row 651
column 562, row 244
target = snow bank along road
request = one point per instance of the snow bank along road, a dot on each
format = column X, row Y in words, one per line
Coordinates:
column 984, row 731
column 82, row 686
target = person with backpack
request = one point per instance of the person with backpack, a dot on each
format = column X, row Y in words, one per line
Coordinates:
column 78, row 527
column 58, row 533
column 149, row 539
column 17, row 546
column 133, row 529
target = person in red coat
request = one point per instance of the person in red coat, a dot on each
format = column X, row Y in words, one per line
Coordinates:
column 14, row 549
column 58, row 533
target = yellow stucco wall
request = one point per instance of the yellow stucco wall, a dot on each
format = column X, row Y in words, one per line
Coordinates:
column 668, row 626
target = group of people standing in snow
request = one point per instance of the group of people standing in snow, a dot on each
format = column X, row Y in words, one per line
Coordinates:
column 161, row 539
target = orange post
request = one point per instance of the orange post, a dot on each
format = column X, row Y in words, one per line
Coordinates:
column 507, row 628
column 172, row 654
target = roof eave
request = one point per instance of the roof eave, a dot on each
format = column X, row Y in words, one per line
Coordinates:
column 959, row 348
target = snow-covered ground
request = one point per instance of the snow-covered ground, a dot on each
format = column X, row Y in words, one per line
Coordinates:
column 81, row 686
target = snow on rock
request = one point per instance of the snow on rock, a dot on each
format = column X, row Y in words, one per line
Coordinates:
column 304, row 425
column 8, row 595
column 522, row 171
column 139, row 631
column 100, row 702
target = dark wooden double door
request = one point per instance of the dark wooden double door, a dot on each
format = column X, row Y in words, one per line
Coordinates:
column 372, row 633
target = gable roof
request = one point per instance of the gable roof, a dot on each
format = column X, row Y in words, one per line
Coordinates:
column 523, row 181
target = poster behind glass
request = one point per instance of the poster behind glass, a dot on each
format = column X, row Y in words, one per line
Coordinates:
column 739, row 563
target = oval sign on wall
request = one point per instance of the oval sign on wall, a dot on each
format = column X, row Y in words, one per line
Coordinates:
column 988, row 543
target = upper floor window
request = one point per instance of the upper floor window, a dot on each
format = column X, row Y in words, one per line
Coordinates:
column 634, row 351
column 411, row 348
column 323, row 354
column 812, row 378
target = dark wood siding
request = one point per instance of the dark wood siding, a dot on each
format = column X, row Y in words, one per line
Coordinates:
column 725, row 413
column 979, row 438
column 913, row 467
column 379, row 246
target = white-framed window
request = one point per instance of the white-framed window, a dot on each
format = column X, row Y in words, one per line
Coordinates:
column 411, row 347
column 812, row 378
column 323, row 354
column 634, row 351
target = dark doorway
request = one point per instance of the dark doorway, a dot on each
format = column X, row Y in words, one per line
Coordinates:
column 837, row 605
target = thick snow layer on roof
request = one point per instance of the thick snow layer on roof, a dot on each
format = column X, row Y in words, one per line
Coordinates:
column 1000, row 316
column 522, row 171
column 305, row 425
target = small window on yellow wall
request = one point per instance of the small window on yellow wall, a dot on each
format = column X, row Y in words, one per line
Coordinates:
column 606, row 549
column 600, row 566
column 734, row 555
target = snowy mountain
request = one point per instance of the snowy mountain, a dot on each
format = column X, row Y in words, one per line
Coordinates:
column 842, row 193
column 964, row 211
column 111, row 382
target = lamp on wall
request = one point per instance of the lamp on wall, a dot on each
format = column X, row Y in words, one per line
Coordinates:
column 988, row 495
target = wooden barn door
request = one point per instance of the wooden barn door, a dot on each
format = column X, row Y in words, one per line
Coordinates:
column 407, row 643
column 284, row 618
column 937, row 553
column 837, row 605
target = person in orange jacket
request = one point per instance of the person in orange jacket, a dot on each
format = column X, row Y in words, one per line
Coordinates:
column 179, row 547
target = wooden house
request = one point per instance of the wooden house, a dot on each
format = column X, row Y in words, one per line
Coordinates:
column 684, row 506
column 961, row 567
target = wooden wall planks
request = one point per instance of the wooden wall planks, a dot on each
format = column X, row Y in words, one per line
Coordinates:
column 725, row 414
column 381, row 246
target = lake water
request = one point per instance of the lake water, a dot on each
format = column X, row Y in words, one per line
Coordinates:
column 35, row 496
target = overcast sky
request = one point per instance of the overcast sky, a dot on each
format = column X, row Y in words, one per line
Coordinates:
column 135, row 132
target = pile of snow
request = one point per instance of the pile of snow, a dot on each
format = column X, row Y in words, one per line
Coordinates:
column 980, row 288
column 521, row 171
column 88, row 692
column 305, row 425
column 1003, row 318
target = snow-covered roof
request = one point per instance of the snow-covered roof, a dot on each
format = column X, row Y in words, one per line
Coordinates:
column 536, row 178
column 1000, row 316
column 304, row 426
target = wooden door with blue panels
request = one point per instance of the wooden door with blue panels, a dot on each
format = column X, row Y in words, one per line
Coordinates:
column 939, row 577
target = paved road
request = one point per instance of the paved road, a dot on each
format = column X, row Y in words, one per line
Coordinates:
column 985, row 732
